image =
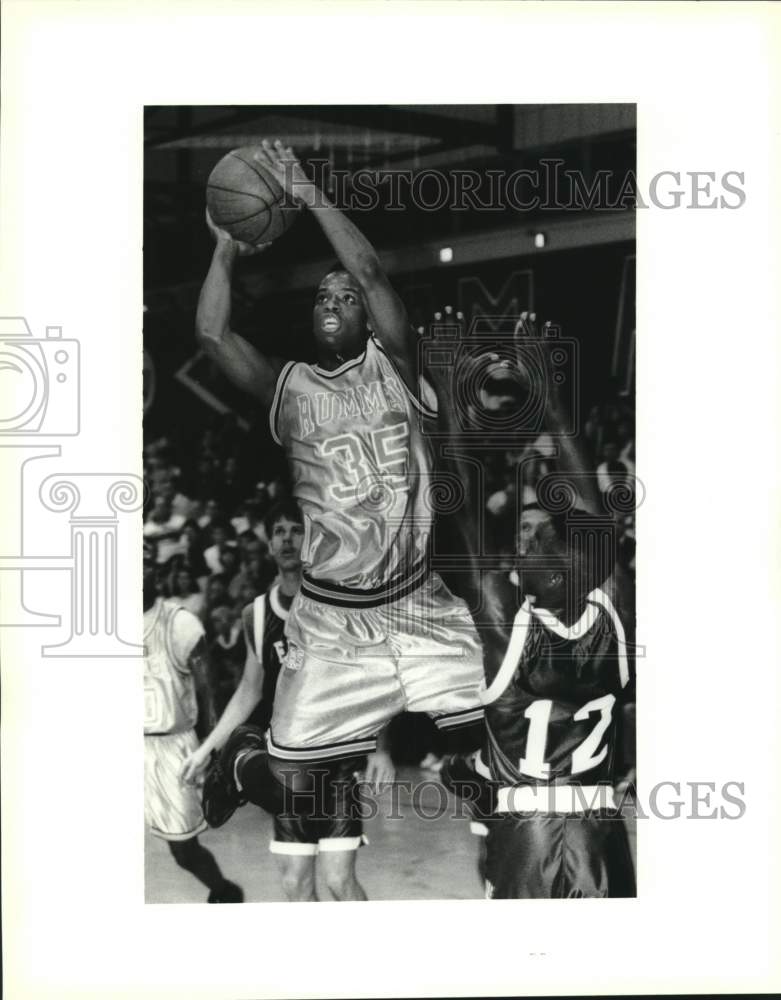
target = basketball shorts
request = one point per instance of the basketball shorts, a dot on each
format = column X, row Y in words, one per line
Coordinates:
column 468, row 778
column 172, row 810
column 350, row 670
column 558, row 856
column 322, row 808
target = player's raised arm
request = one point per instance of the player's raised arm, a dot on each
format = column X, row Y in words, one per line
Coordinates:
column 239, row 360
column 571, row 458
column 386, row 311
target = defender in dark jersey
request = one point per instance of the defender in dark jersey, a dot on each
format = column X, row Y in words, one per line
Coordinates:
column 552, row 717
column 557, row 670
column 331, row 827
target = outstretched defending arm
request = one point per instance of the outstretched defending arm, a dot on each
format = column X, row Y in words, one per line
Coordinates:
column 571, row 459
column 386, row 310
column 244, row 365
column 573, row 462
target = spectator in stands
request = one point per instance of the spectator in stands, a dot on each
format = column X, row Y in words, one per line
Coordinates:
column 191, row 551
column 610, row 471
column 180, row 504
column 184, row 590
column 245, row 594
column 216, row 596
column 220, row 535
column 258, row 573
column 212, row 512
column 626, row 542
column 249, row 519
column 227, row 653
column 627, row 455
column 229, row 562
column 163, row 527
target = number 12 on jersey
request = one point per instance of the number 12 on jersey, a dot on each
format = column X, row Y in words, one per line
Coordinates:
column 585, row 756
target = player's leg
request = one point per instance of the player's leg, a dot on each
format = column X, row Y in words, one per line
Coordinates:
column 524, row 857
column 468, row 778
column 239, row 773
column 173, row 813
column 341, row 831
column 597, row 861
column 298, row 877
column 337, row 869
column 440, row 662
column 558, row 856
column 481, row 832
column 622, row 880
column 193, row 857
column 320, row 818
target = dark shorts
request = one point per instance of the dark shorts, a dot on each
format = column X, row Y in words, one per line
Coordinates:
column 321, row 811
column 555, row 856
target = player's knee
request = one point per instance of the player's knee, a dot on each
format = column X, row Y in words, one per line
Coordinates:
column 341, row 880
column 298, row 885
column 342, row 886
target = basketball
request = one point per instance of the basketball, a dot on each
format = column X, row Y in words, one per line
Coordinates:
column 246, row 201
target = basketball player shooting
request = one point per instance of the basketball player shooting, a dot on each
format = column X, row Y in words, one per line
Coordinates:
column 373, row 630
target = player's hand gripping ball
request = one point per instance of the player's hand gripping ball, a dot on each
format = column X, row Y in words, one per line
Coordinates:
column 245, row 200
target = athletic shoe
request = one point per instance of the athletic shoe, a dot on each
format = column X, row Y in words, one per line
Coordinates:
column 228, row 892
column 221, row 798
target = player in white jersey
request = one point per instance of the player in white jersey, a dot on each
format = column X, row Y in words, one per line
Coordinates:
column 299, row 838
column 174, row 661
column 373, row 630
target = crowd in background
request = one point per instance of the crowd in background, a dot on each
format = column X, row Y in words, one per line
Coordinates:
column 207, row 518
column 607, row 440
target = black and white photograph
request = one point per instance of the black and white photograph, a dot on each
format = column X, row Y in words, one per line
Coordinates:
column 389, row 444
column 389, row 539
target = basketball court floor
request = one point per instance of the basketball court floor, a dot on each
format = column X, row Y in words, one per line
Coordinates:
column 420, row 847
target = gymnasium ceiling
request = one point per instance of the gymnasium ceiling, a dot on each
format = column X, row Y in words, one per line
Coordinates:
column 182, row 144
